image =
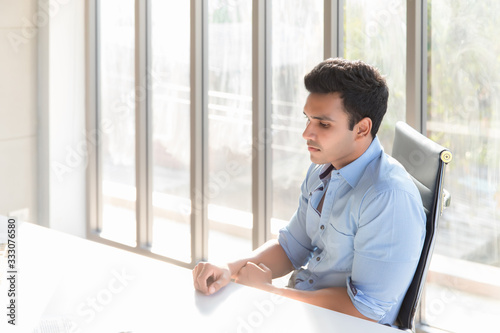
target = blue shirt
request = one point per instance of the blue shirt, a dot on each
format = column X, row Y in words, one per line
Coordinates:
column 368, row 236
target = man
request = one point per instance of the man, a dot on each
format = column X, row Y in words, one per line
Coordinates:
column 356, row 237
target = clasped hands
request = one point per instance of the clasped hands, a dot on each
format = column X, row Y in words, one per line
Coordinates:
column 209, row 278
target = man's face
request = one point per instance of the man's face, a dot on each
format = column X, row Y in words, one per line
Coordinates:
column 329, row 139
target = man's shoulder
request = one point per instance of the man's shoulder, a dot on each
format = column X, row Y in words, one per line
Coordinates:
column 385, row 184
column 387, row 174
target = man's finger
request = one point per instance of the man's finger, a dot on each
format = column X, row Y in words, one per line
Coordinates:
column 264, row 267
column 241, row 275
column 202, row 278
column 196, row 272
column 214, row 287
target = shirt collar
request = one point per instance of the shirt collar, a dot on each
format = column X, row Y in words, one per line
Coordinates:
column 325, row 171
column 353, row 171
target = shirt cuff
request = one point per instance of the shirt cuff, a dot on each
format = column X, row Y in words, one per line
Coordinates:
column 368, row 306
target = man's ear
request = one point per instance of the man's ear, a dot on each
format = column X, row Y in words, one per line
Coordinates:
column 363, row 128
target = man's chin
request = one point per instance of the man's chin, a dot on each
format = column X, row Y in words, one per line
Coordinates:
column 316, row 159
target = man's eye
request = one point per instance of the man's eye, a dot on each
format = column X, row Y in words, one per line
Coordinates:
column 324, row 125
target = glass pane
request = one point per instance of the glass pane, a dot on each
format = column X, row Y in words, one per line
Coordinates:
column 169, row 85
column 117, row 119
column 463, row 115
column 297, row 46
column 229, row 191
column 375, row 32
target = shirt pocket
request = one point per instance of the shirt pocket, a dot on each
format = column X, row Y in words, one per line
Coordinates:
column 340, row 249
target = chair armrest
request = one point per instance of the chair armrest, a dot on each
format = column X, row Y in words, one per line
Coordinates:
column 445, row 201
column 446, row 198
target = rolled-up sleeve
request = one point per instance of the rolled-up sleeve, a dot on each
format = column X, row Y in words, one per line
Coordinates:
column 293, row 238
column 387, row 248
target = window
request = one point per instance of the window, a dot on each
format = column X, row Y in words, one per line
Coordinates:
column 117, row 119
column 229, row 191
column 462, row 101
column 145, row 165
column 181, row 115
column 171, row 139
column 375, row 32
column 297, row 39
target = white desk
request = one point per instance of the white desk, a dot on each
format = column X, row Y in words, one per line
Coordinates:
column 68, row 284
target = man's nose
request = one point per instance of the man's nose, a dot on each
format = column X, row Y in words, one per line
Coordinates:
column 308, row 133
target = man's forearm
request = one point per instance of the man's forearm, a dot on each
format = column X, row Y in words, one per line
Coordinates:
column 334, row 298
column 270, row 254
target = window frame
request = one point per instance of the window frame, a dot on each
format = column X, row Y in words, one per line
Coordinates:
column 261, row 109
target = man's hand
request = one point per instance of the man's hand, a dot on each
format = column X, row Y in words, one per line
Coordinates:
column 258, row 276
column 209, row 278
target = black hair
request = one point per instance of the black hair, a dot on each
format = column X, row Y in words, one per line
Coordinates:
column 362, row 88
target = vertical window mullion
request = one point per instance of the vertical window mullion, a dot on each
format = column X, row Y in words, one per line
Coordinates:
column 265, row 224
column 94, row 188
column 333, row 28
column 146, row 84
column 261, row 109
column 143, row 135
column 415, row 48
column 199, row 140
column 423, row 71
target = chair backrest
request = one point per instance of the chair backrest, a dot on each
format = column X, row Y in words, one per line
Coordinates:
column 425, row 161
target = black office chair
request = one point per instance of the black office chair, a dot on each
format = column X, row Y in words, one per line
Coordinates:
column 425, row 161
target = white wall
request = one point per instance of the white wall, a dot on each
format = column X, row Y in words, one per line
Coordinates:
column 62, row 156
column 18, row 111
column 42, row 108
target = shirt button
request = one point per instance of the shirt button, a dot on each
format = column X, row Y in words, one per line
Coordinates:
column 322, row 227
column 311, row 281
column 318, row 258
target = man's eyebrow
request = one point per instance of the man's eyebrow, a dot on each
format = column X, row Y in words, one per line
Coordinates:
column 319, row 118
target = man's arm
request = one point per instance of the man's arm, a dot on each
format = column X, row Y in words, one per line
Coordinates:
column 333, row 298
column 209, row 278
